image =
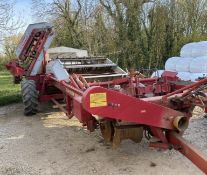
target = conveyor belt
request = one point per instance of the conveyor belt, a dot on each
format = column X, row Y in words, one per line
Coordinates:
column 89, row 66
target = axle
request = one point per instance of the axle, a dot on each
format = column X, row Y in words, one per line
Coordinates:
column 125, row 117
column 101, row 95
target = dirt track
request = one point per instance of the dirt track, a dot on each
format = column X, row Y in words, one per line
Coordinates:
column 50, row 144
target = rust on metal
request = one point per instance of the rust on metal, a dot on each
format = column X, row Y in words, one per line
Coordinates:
column 98, row 87
column 188, row 150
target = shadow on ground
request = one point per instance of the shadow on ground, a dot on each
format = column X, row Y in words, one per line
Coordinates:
column 50, row 144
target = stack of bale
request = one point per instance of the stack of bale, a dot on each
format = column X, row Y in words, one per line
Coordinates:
column 192, row 63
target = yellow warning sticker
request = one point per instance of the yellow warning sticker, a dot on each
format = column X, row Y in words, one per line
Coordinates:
column 98, row 100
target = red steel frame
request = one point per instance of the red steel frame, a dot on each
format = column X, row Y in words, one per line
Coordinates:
column 153, row 114
column 157, row 114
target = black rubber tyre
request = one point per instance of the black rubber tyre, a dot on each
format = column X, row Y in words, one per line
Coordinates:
column 205, row 116
column 29, row 97
column 17, row 80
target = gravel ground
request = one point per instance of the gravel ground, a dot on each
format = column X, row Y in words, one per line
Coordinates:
column 49, row 144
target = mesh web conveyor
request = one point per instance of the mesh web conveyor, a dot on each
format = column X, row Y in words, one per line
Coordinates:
column 93, row 68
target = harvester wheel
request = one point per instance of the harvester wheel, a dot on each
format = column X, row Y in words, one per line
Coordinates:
column 107, row 130
column 29, row 97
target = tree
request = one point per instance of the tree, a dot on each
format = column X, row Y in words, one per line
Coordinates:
column 8, row 24
column 10, row 45
column 139, row 34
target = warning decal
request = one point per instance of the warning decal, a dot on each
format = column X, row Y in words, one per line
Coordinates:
column 98, row 100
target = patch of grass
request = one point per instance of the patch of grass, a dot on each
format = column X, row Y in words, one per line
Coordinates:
column 9, row 92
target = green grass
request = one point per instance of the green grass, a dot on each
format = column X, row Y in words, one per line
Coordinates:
column 9, row 92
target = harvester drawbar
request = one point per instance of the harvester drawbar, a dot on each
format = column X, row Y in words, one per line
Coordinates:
column 101, row 95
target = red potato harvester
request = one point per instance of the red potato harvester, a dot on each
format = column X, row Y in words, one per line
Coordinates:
column 101, row 95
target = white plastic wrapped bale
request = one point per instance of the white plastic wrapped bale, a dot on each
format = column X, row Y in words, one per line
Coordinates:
column 170, row 64
column 196, row 76
column 203, row 42
column 183, row 64
column 56, row 68
column 185, row 76
column 199, row 49
column 157, row 73
column 199, row 65
column 186, row 50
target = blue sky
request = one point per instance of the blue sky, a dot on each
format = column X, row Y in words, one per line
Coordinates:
column 23, row 9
